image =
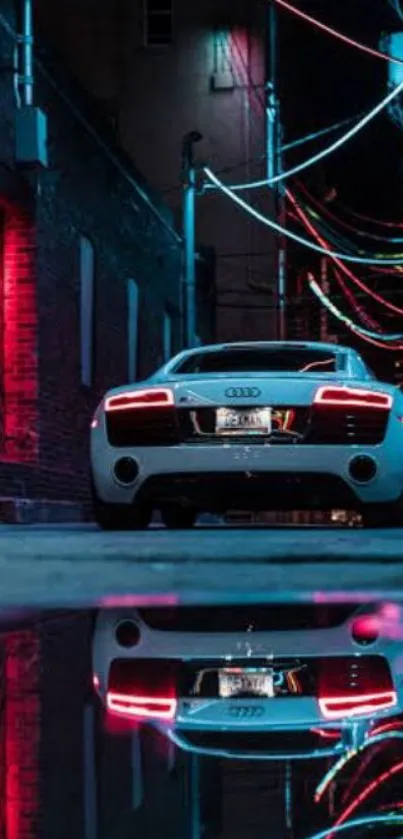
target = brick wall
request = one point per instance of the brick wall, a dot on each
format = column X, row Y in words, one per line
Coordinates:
column 45, row 688
column 19, row 325
column 89, row 189
column 21, row 732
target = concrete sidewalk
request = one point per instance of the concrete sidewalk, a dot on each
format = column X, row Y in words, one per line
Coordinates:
column 80, row 566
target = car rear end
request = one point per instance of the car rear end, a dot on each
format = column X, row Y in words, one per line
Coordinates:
column 265, row 693
column 303, row 436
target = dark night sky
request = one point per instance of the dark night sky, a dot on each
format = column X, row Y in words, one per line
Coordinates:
column 324, row 80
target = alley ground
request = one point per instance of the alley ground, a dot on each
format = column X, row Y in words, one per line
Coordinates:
column 78, row 565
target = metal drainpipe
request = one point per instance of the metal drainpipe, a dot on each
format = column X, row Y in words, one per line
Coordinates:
column 26, row 40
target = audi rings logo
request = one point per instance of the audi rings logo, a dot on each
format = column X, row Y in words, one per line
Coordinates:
column 246, row 711
column 243, row 392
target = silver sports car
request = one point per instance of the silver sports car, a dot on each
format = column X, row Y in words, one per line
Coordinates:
column 284, row 680
column 252, row 426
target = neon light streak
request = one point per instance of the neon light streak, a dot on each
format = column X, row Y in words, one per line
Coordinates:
column 308, row 137
column 362, row 333
column 330, row 31
column 283, row 230
column 388, row 818
column 366, row 792
column 328, row 150
column 365, row 318
column 390, row 224
column 345, row 759
column 360, row 772
column 387, row 726
column 327, row 734
column 311, row 229
column 362, row 233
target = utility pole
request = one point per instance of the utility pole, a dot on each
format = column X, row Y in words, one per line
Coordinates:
column 274, row 163
column 189, row 227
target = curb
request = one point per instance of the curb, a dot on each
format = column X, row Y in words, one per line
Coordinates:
column 39, row 511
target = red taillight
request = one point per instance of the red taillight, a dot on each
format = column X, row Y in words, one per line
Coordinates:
column 151, row 398
column 352, row 397
column 333, row 708
column 353, row 685
column 141, row 707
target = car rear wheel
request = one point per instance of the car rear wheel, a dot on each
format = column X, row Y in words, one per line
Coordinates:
column 178, row 517
column 120, row 516
column 383, row 515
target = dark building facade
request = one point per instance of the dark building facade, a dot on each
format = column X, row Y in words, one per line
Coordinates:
column 63, row 773
column 90, row 279
column 162, row 69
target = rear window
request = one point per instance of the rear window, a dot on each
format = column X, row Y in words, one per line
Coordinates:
column 293, row 360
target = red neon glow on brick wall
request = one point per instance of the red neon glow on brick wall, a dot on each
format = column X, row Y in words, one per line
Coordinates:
column 19, row 323
column 22, row 733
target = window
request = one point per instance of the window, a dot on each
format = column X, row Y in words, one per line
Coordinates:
column 167, row 337
column 158, row 23
column 90, row 773
column 132, row 328
column 87, row 310
column 237, row 360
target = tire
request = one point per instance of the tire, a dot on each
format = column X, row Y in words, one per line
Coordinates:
column 120, row 516
column 387, row 515
column 177, row 517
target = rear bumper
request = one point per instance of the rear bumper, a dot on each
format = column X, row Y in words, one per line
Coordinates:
column 287, row 743
column 280, row 476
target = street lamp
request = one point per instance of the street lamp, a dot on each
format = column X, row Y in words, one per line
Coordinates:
column 189, row 225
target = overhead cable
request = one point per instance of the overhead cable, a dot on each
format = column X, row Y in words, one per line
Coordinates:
column 372, row 338
column 356, row 280
column 328, row 150
column 294, row 236
column 336, row 34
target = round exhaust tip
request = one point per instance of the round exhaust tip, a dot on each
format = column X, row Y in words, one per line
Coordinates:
column 127, row 634
column 126, row 470
column 363, row 469
column 365, row 630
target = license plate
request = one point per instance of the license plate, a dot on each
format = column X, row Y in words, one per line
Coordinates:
column 235, row 682
column 254, row 421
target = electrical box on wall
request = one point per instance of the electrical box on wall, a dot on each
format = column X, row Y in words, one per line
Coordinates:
column 31, row 131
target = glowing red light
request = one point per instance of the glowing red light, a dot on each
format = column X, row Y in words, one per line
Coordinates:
column 141, row 707
column 352, row 397
column 95, row 681
column 22, row 728
column 152, row 398
column 346, row 271
column 138, row 600
column 333, row 707
column 19, row 339
column 385, row 727
column 366, row 792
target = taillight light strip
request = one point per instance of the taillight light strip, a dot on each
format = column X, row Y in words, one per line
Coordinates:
column 336, row 707
column 150, row 398
column 141, row 707
column 352, row 397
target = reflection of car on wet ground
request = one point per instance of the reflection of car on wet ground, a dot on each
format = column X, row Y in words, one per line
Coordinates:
column 254, row 426
column 263, row 681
